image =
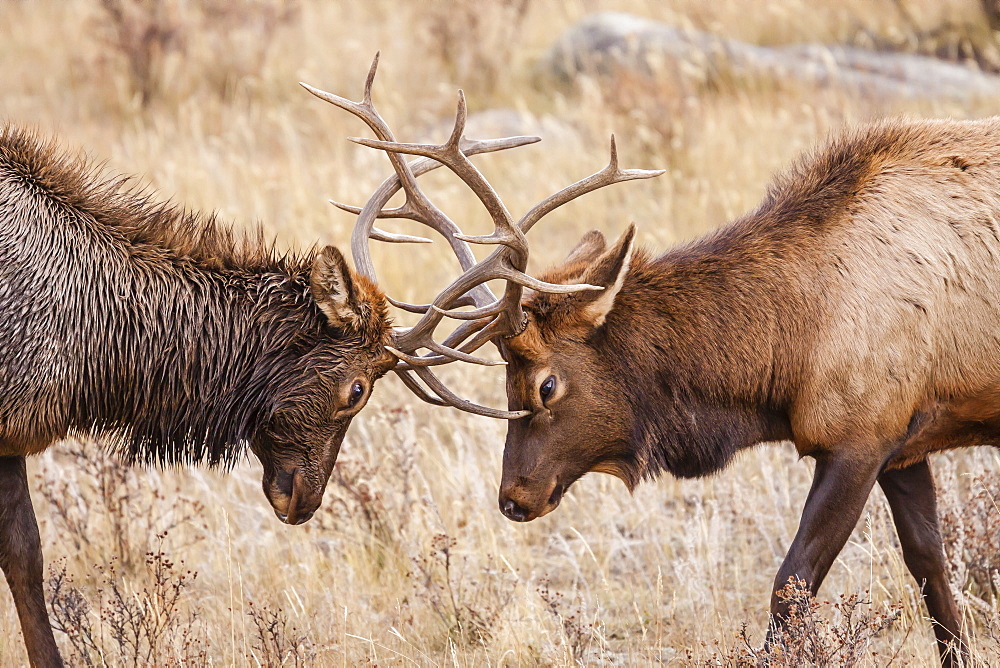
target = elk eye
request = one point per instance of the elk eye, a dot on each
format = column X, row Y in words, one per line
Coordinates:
column 357, row 391
column 547, row 388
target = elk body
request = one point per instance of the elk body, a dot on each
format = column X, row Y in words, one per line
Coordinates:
column 855, row 312
column 163, row 333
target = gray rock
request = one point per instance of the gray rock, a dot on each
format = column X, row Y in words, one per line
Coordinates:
column 606, row 42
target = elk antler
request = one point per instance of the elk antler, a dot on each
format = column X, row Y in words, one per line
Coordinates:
column 492, row 317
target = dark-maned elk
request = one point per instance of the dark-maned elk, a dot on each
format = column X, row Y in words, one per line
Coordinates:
column 855, row 312
column 168, row 336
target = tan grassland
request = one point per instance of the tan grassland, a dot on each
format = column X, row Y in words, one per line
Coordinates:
column 409, row 562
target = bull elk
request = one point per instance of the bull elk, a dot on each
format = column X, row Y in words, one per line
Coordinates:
column 852, row 313
column 168, row 336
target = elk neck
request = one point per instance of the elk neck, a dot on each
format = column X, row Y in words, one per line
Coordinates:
column 187, row 367
column 704, row 336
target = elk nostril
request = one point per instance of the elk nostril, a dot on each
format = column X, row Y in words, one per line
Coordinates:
column 283, row 481
column 512, row 511
column 556, row 495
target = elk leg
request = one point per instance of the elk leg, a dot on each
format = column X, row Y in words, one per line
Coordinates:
column 21, row 561
column 910, row 493
column 839, row 490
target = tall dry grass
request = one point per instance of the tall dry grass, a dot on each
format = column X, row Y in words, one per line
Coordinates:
column 409, row 562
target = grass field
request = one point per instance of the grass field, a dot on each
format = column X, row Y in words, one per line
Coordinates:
column 409, row 562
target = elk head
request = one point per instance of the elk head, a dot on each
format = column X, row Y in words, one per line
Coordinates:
column 559, row 371
column 538, row 377
column 333, row 375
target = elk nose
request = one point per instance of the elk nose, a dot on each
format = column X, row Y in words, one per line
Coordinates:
column 512, row 511
column 293, row 500
column 302, row 518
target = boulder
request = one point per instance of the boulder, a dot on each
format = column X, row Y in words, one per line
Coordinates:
column 604, row 43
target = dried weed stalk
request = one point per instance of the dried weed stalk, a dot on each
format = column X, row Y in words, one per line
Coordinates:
column 142, row 622
column 278, row 643
column 96, row 501
column 468, row 605
column 150, row 36
column 812, row 638
column 970, row 527
column 584, row 638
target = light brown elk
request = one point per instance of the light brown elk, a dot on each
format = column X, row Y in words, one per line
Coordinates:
column 855, row 312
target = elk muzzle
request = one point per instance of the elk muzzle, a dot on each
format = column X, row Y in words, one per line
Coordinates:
column 294, row 500
column 530, row 499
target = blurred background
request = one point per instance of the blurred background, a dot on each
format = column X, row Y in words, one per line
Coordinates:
column 409, row 562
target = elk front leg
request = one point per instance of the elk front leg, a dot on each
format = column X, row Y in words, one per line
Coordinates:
column 839, row 490
column 21, row 561
column 910, row 493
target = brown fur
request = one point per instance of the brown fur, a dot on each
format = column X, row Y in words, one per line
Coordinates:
column 169, row 335
column 855, row 312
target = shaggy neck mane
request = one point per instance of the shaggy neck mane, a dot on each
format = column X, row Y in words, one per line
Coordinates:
column 178, row 336
column 204, row 376
column 718, row 328
column 704, row 356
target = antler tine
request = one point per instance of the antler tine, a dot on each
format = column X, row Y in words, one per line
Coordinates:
column 464, row 300
column 451, row 155
column 480, row 331
column 418, row 389
column 405, row 306
column 398, row 212
column 491, row 317
column 443, row 355
column 382, row 235
column 611, row 174
column 474, row 314
column 464, row 405
column 393, row 238
column 416, row 202
column 458, row 402
column 480, row 334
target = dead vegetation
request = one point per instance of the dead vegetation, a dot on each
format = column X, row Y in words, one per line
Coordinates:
column 409, row 561
column 152, row 40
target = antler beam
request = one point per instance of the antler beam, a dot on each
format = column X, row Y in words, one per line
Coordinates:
column 491, row 317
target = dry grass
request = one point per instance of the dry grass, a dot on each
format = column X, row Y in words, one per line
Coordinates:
column 409, row 562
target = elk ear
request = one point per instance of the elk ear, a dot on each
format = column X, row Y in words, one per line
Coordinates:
column 579, row 260
column 609, row 273
column 333, row 288
column 588, row 250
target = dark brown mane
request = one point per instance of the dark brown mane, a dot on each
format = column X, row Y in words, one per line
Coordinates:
column 125, row 206
column 820, row 185
column 187, row 367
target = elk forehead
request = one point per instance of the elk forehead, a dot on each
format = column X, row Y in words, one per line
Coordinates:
column 529, row 345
